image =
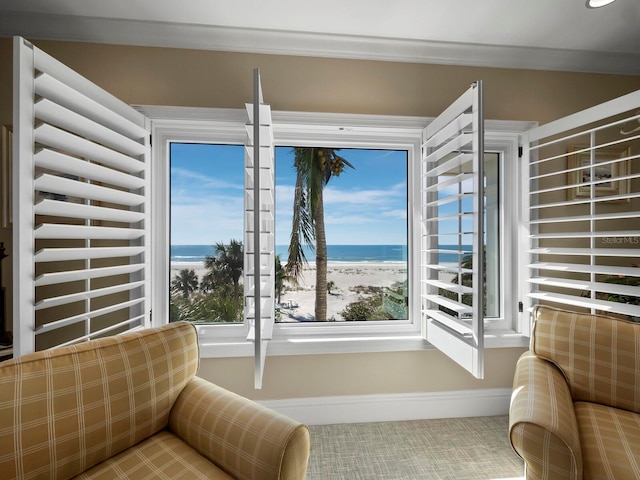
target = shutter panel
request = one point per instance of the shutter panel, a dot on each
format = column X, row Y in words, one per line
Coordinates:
column 81, row 186
column 259, row 284
column 582, row 215
column 452, row 198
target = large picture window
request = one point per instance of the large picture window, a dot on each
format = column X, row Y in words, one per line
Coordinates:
column 365, row 225
column 371, row 219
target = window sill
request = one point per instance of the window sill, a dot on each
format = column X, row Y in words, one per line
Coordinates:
column 505, row 339
column 334, row 344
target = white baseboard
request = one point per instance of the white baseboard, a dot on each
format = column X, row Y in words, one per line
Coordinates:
column 394, row 407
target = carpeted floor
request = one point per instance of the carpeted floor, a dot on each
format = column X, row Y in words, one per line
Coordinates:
column 457, row 448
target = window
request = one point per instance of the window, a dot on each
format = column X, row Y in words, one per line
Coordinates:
column 454, row 247
column 206, row 250
column 367, row 265
column 364, row 224
column 393, row 140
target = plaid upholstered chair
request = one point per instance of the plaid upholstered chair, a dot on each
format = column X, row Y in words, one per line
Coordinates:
column 575, row 408
column 131, row 407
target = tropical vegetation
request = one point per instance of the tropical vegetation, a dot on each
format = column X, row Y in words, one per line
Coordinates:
column 464, row 279
column 217, row 298
column 225, row 265
column 374, row 304
column 185, row 283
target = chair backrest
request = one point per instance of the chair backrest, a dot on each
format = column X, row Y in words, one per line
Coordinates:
column 598, row 355
column 66, row 409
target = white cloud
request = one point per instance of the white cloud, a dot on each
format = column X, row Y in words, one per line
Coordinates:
column 402, row 214
column 192, row 179
column 331, row 219
column 367, row 197
column 206, row 221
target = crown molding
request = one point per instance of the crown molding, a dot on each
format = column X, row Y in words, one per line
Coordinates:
column 248, row 40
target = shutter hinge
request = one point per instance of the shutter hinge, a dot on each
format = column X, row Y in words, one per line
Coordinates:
column 520, row 152
column 520, row 307
column 150, row 140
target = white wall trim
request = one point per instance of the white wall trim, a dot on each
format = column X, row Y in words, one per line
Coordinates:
column 394, row 407
column 252, row 40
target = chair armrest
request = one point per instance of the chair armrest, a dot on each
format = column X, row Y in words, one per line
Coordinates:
column 243, row 438
column 542, row 422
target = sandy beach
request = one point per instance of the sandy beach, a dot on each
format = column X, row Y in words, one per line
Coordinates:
column 297, row 304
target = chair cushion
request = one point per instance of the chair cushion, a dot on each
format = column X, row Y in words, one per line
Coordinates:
column 598, row 355
column 610, row 441
column 161, row 456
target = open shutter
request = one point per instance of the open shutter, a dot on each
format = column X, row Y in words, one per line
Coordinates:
column 81, row 185
column 452, row 197
column 259, row 284
column 582, row 210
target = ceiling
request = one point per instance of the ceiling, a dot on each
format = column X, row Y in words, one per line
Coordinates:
column 536, row 34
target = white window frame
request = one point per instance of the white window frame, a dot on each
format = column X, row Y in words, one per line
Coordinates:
column 227, row 126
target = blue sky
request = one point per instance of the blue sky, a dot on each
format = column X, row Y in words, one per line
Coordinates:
column 366, row 205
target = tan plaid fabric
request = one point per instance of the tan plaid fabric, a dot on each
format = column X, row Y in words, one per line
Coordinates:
column 575, row 406
column 161, row 456
column 130, row 407
column 611, row 441
column 245, row 439
column 599, row 356
column 64, row 410
column 542, row 425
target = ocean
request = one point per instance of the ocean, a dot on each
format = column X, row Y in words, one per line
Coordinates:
column 335, row 253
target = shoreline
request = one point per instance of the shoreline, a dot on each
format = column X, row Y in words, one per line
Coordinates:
column 297, row 304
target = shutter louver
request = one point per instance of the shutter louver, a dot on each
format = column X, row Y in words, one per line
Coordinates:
column 81, row 229
column 583, row 210
column 452, row 303
column 259, row 285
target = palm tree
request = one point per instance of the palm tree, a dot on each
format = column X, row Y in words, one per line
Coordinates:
column 185, row 282
column 226, row 264
column 314, row 168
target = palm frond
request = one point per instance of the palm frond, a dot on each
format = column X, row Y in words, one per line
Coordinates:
column 302, row 231
column 314, row 168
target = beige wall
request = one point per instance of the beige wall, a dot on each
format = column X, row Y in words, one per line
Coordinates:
column 161, row 76
column 358, row 374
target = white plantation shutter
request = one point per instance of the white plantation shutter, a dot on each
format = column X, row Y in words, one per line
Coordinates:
column 81, row 185
column 259, row 271
column 452, row 197
column 582, row 210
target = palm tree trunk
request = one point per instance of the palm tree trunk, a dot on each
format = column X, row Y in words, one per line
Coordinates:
column 321, row 261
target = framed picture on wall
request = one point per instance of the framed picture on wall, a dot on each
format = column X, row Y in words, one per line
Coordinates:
column 6, row 176
column 606, row 175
